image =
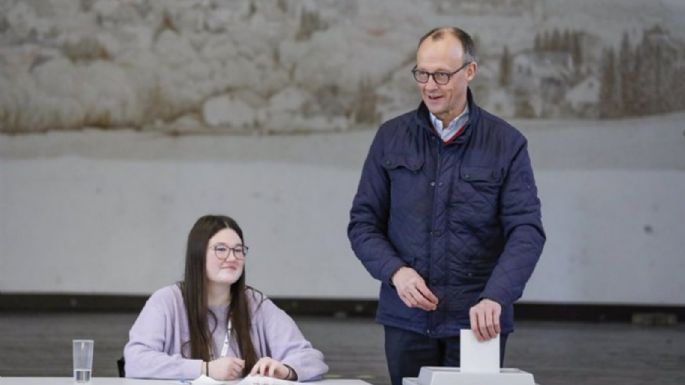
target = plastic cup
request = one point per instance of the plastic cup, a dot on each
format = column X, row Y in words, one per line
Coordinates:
column 83, row 360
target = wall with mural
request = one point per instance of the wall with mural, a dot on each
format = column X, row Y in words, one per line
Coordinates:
column 123, row 121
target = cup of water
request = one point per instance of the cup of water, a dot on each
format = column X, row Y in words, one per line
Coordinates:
column 83, row 360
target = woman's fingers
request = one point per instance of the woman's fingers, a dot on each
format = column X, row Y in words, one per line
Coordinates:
column 267, row 366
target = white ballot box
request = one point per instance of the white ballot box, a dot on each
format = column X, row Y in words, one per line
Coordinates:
column 434, row 375
column 479, row 365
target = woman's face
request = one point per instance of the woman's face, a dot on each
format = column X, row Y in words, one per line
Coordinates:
column 225, row 261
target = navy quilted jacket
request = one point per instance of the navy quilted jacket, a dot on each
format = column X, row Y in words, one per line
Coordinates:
column 464, row 215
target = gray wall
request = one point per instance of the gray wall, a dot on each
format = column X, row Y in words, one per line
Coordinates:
column 114, row 220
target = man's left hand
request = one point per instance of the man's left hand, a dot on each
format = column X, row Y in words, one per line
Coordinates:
column 485, row 319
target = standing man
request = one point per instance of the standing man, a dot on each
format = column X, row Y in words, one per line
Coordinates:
column 446, row 215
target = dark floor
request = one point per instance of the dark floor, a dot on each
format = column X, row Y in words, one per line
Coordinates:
column 556, row 353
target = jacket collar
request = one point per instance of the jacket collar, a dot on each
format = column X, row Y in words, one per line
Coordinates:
column 424, row 122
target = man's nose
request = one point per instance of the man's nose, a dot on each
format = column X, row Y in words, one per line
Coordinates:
column 431, row 84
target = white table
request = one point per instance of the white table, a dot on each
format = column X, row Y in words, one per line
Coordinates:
column 131, row 381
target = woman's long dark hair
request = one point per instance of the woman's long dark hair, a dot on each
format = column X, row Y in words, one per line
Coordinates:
column 194, row 292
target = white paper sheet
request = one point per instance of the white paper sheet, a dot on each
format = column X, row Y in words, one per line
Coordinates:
column 261, row 380
column 249, row 380
column 204, row 380
column 478, row 357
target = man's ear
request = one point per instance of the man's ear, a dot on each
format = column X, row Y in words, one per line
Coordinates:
column 471, row 71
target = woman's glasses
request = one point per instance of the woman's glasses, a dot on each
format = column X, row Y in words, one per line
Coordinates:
column 222, row 251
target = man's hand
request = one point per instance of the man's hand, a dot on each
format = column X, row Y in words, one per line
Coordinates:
column 413, row 290
column 485, row 319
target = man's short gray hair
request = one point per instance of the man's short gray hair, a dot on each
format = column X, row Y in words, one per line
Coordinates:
column 465, row 39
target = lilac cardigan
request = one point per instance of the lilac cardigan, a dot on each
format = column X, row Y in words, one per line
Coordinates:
column 157, row 336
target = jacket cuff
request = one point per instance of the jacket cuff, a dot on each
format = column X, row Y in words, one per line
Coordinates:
column 493, row 297
column 390, row 269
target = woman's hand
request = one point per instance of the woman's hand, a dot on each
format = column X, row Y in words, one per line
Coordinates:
column 267, row 366
column 226, row 368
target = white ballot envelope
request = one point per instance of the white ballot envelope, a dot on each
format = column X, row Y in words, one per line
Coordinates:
column 477, row 356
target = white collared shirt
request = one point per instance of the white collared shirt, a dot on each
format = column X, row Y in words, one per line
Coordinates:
column 453, row 128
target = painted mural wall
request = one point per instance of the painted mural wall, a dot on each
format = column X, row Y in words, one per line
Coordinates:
column 121, row 122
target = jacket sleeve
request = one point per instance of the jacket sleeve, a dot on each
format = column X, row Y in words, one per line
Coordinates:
column 284, row 342
column 144, row 353
column 522, row 226
column 368, row 225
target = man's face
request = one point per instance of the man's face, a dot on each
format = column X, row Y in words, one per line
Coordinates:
column 444, row 55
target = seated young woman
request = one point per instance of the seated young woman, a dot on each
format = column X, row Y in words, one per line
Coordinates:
column 211, row 323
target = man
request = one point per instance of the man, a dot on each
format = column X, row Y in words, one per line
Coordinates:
column 446, row 215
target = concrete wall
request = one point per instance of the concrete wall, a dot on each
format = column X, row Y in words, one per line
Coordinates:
column 108, row 212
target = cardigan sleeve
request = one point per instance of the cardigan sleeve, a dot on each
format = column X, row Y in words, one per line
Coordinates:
column 284, row 342
column 148, row 353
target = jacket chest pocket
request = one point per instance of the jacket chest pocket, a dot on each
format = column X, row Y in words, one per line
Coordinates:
column 478, row 188
column 402, row 167
column 405, row 173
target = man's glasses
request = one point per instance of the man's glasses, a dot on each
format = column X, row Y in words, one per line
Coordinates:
column 440, row 78
column 222, row 251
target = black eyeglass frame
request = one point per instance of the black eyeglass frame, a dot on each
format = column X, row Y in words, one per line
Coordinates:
column 447, row 75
